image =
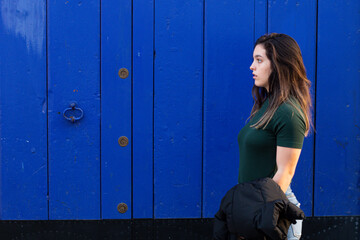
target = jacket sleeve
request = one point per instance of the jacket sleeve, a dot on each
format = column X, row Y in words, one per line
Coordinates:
column 292, row 212
column 220, row 227
column 221, row 231
column 268, row 218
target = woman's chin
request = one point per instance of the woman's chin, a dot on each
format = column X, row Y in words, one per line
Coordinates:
column 258, row 85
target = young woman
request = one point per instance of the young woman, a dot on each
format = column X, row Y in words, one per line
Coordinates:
column 270, row 143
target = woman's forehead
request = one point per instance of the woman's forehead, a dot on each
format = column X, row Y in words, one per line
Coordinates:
column 259, row 51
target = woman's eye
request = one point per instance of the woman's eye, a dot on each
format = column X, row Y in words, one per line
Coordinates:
column 259, row 60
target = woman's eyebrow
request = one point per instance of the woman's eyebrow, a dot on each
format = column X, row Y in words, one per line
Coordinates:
column 258, row 56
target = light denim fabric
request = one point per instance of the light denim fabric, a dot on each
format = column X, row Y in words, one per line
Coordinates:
column 294, row 232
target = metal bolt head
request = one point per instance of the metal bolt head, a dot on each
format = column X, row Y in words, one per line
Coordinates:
column 123, row 141
column 122, row 207
column 123, row 73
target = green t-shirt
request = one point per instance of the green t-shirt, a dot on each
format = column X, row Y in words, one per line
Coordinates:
column 258, row 146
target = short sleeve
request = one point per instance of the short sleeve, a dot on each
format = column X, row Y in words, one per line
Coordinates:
column 289, row 127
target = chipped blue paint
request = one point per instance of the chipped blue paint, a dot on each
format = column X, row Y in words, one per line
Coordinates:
column 25, row 19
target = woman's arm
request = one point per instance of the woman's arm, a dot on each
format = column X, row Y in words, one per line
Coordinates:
column 286, row 160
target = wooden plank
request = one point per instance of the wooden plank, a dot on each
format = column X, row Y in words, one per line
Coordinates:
column 143, row 61
column 178, row 108
column 74, row 148
column 229, row 32
column 115, row 108
column 337, row 109
column 298, row 20
column 23, row 153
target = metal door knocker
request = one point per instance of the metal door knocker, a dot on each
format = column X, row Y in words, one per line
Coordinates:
column 72, row 112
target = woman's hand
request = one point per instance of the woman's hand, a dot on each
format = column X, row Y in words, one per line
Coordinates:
column 286, row 161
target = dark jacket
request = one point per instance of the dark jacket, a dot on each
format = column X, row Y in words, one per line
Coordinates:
column 255, row 210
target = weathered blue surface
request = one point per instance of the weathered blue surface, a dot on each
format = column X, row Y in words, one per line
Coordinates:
column 23, row 146
column 186, row 98
column 337, row 155
column 178, row 109
column 227, row 94
column 143, row 95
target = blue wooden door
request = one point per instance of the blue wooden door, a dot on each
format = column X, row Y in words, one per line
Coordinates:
column 58, row 53
column 89, row 166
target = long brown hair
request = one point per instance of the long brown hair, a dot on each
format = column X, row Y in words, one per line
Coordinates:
column 287, row 81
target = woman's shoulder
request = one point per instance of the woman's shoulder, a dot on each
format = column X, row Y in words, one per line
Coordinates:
column 289, row 109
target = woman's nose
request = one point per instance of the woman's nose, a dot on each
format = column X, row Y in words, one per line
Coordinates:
column 252, row 68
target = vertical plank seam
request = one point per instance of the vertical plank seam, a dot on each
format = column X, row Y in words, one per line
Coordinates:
column 132, row 118
column 202, row 120
column 314, row 148
column 100, row 118
column 153, row 120
column 47, row 110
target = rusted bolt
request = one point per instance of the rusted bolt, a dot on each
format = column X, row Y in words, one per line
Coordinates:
column 122, row 207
